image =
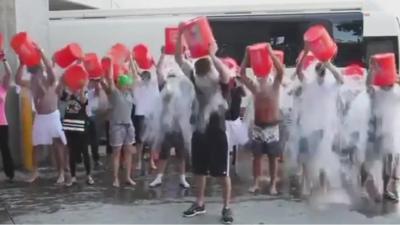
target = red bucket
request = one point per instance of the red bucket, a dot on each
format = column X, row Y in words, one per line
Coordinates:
column 353, row 70
column 385, row 69
column 75, row 77
column 67, row 55
column 260, row 60
column 171, row 37
column 281, row 55
column 26, row 49
column 309, row 59
column 93, row 66
column 198, row 36
column 142, row 56
column 320, row 43
column 119, row 53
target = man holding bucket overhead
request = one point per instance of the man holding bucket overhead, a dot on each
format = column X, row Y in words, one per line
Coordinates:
column 210, row 154
column 122, row 132
column 385, row 108
column 265, row 134
column 47, row 127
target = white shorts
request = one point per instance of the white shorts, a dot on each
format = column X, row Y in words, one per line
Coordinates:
column 46, row 128
column 236, row 133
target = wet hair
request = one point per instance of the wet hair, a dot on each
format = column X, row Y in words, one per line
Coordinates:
column 35, row 69
column 320, row 69
column 202, row 66
column 145, row 75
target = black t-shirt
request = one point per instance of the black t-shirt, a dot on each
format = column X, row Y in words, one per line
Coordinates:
column 234, row 99
column 75, row 118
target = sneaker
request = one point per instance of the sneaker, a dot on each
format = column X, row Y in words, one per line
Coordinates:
column 390, row 196
column 194, row 210
column 156, row 182
column 60, row 180
column 71, row 182
column 90, row 180
column 184, row 183
column 227, row 216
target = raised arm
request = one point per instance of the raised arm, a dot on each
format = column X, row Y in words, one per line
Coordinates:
column 18, row 77
column 249, row 83
column 51, row 78
column 335, row 72
column 7, row 76
column 222, row 69
column 278, row 67
column 178, row 51
column 109, row 81
column 159, row 69
column 299, row 66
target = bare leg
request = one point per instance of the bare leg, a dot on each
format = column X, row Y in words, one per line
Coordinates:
column 116, row 155
column 139, row 148
column 201, row 187
column 227, row 190
column 152, row 160
column 273, row 170
column 35, row 173
column 257, row 171
column 60, row 149
column 129, row 151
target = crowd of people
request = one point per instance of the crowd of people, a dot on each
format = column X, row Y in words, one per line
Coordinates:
column 305, row 123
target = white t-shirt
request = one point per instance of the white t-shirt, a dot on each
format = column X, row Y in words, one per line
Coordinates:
column 146, row 95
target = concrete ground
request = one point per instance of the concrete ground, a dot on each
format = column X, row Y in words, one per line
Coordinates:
column 44, row 202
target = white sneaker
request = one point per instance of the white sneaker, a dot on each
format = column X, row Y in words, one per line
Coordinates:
column 156, row 182
column 184, row 182
column 72, row 182
column 90, row 180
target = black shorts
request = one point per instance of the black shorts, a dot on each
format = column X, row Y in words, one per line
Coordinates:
column 138, row 123
column 173, row 140
column 210, row 153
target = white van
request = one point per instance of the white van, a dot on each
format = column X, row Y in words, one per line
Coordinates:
column 358, row 31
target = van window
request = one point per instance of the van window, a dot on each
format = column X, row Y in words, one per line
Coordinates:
column 285, row 32
column 376, row 45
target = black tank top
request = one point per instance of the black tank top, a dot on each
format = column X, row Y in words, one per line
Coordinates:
column 75, row 117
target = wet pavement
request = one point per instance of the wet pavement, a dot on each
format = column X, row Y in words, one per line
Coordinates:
column 44, row 202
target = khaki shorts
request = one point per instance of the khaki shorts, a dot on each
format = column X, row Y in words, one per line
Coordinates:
column 122, row 134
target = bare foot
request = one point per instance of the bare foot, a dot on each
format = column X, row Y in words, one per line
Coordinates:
column 116, row 183
column 272, row 190
column 33, row 178
column 153, row 165
column 129, row 181
column 254, row 189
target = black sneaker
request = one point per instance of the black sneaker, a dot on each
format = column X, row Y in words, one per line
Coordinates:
column 390, row 197
column 194, row 210
column 227, row 216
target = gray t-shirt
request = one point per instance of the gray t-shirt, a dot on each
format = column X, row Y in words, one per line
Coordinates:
column 121, row 107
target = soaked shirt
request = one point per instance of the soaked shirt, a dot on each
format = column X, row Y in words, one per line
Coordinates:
column 211, row 105
column 121, row 106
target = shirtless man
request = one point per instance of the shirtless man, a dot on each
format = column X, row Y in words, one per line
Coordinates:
column 47, row 128
column 265, row 133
